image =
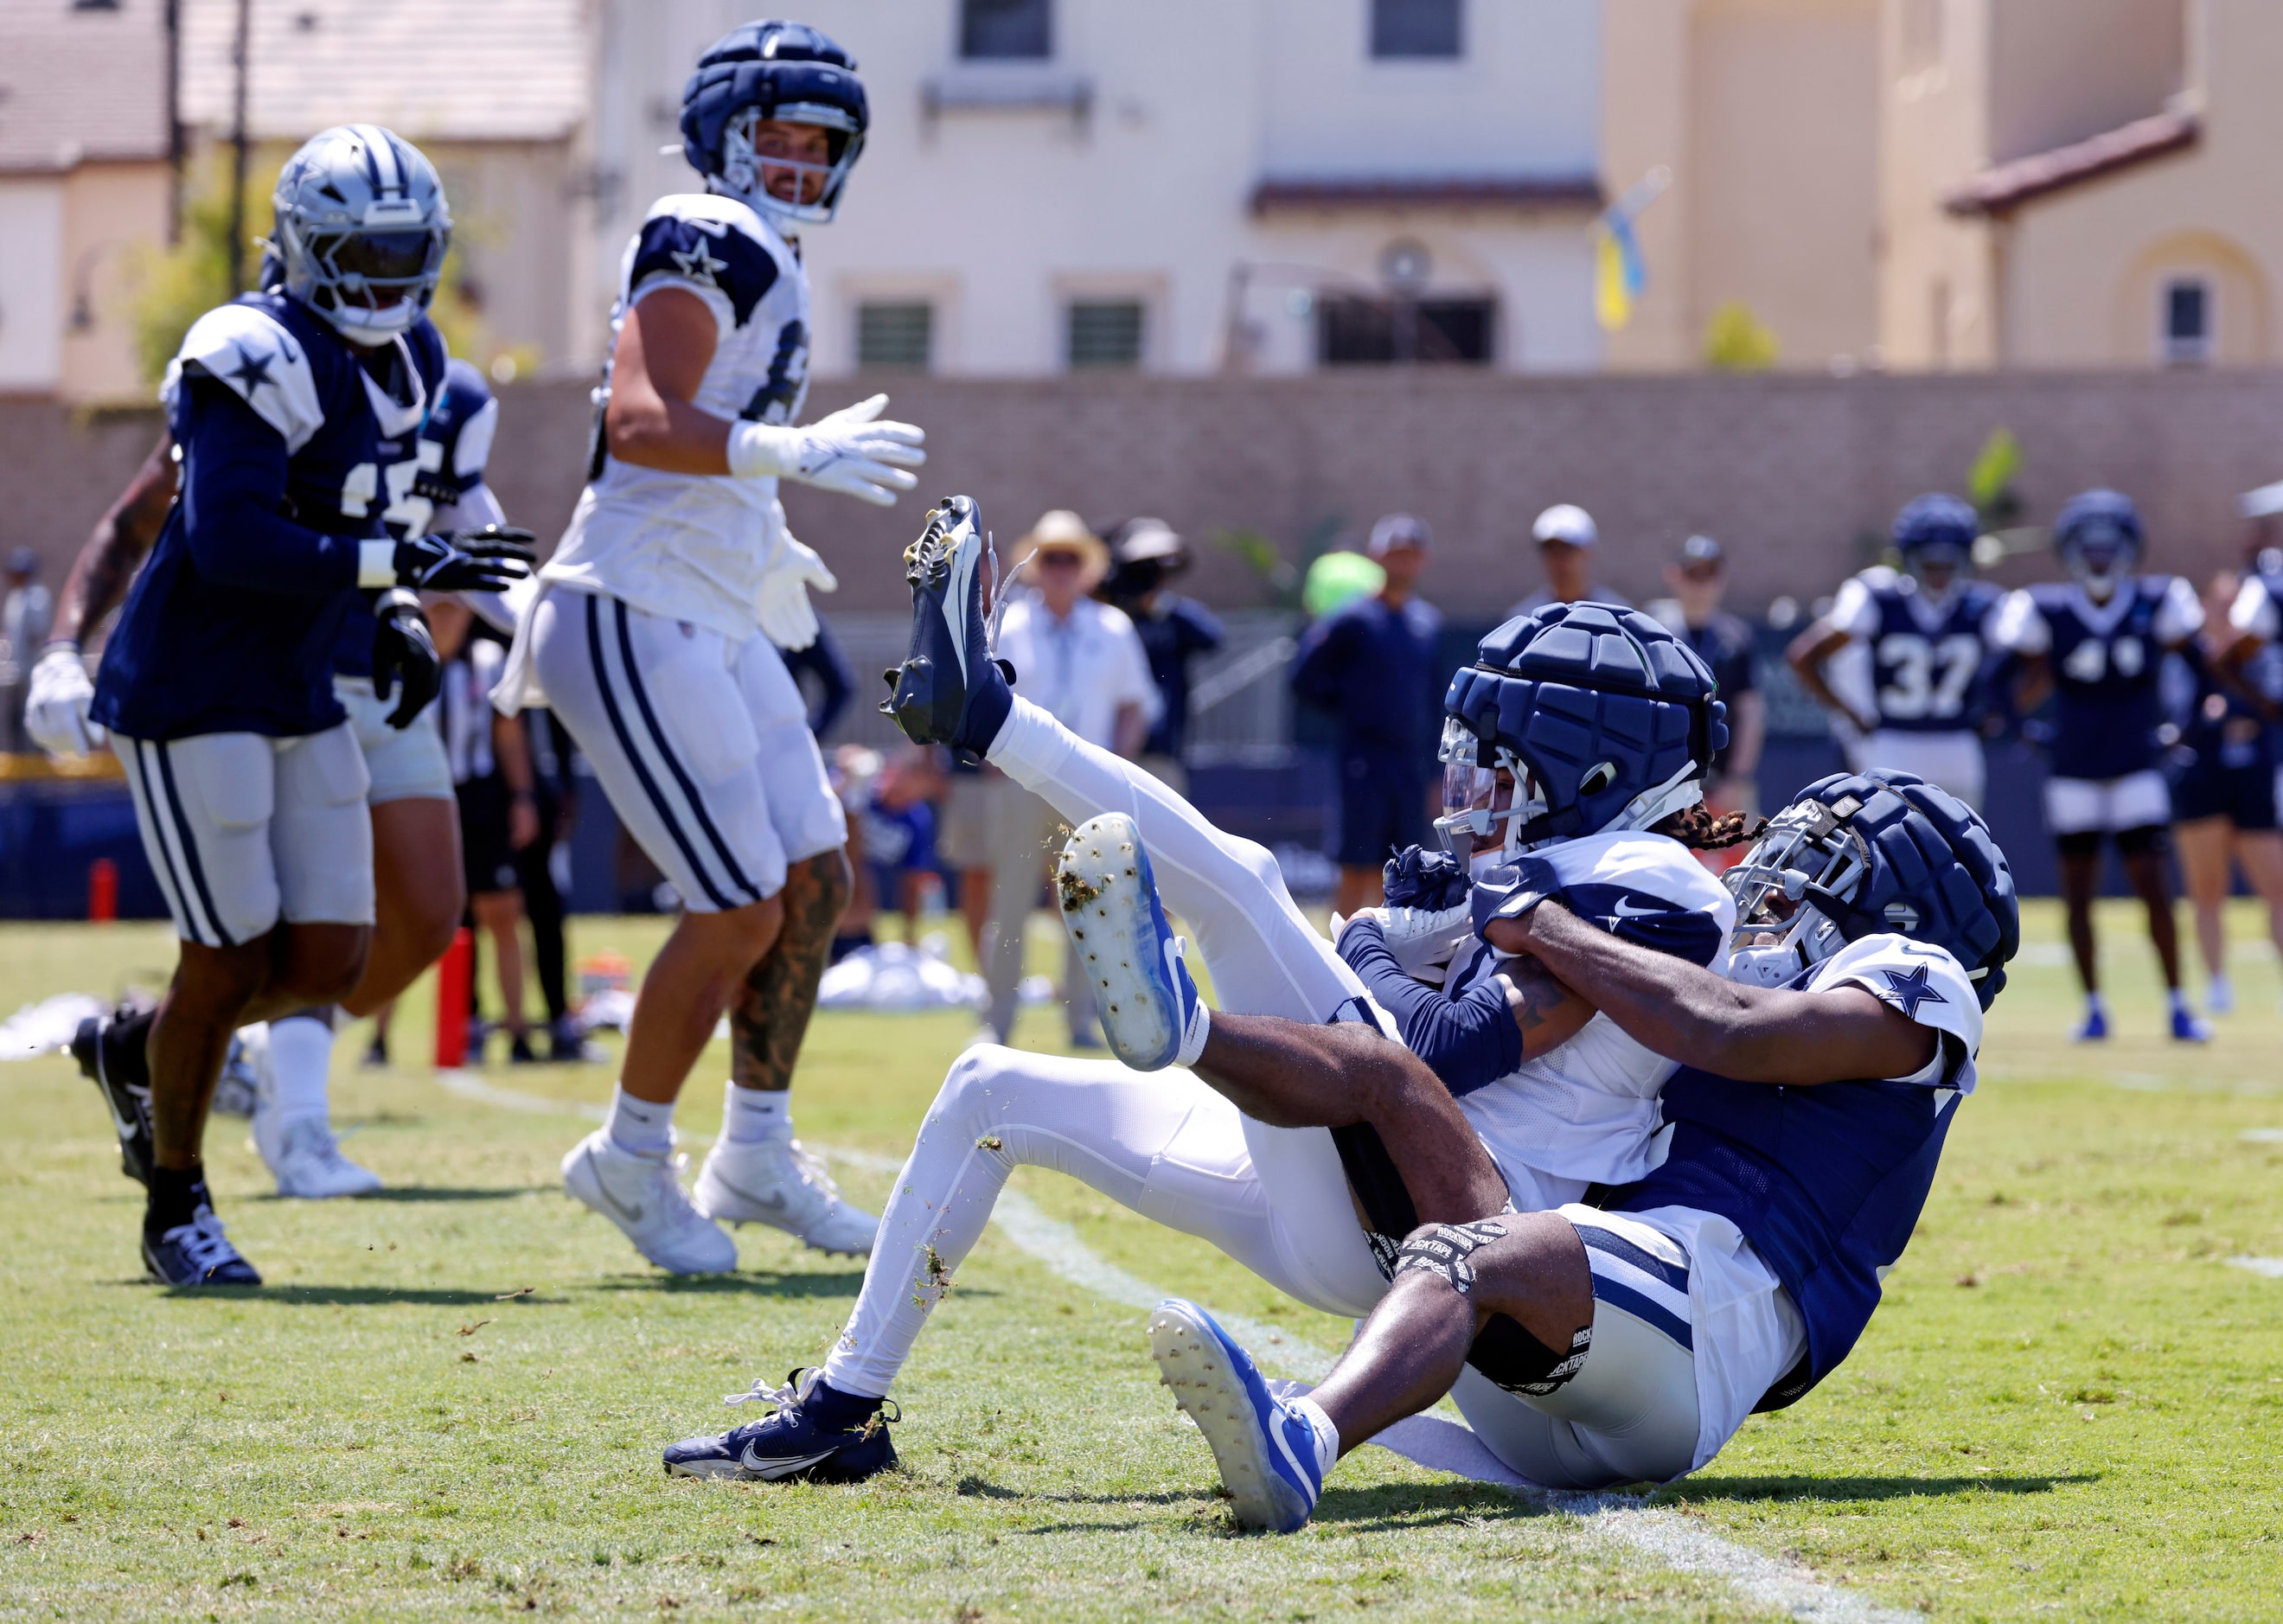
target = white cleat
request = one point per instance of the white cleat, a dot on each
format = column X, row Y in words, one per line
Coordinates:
column 778, row 1182
column 643, row 1197
column 1150, row 1007
column 306, row 1162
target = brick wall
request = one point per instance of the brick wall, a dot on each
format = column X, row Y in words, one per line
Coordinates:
column 1790, row 472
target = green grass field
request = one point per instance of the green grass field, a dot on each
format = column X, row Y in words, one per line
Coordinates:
column 449, row 1401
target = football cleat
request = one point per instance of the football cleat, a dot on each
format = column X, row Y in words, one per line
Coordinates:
column 306, row 1160
column 779, row 1182
column 643, row 1195
column 2095, row 1027
column 2186, row 1028
column 1265, row 1449
column 110, row 1051
column 196, row 1253
column 949, row 690
column 240, row 1090
column 1148, row 1004
column 817, row 1433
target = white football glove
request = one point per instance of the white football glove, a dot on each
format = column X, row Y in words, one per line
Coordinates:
column 787, row 617
column 849, row 451
column 1423, row 943
column 55, row 709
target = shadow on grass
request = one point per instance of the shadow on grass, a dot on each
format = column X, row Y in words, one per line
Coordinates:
column 444, row 1192
column 1696, row 1490
column 1395, row 1505
column 845, row 1283
column 351, row 1296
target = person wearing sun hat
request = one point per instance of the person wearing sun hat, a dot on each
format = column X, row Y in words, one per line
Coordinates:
column 1146, row 554
column 1082, row 660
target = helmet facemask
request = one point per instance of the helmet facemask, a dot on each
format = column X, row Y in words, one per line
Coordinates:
column 1790, row 889
column 745, row 172
column 2101, row 554
column 1937, row 567
column 1484, row 807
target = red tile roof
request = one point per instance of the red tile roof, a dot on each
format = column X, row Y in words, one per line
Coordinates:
column 2006, row 186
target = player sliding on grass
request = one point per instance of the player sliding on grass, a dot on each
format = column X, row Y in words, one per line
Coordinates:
column 217, row 685
column 1603, row 720
column 1877, row 916
column 655, row 639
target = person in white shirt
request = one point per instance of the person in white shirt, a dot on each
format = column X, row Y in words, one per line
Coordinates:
column 1083, row 663
column 655, row 639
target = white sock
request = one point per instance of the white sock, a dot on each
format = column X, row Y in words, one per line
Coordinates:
column 2219, row 991
column 1328, row 1436
column 2095, row 1006
column 300, row 1060
column 750, row 1115
column 639, row 1126
column 2179, row 1000
column 1192, row 1041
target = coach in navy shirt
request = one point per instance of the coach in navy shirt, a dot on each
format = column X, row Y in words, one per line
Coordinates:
column 1372, row 666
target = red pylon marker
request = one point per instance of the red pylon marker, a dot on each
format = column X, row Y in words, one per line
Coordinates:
column 102, row 891
column 453, row 973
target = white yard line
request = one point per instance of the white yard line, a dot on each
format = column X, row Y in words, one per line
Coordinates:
column 2273, row 1267
column 1676, row 1542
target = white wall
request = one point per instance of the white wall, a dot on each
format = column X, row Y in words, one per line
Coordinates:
column 31, row 283
column 999, row 215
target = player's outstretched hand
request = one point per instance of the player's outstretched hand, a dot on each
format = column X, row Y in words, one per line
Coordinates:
column 853, row 452
column 787, row 618
column 55, row 709
column 484, row 560
column 403, row 651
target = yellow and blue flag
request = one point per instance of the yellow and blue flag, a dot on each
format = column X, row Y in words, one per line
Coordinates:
column 1620, row 273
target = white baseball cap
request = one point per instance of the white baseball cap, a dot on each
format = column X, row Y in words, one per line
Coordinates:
column 1566, row 521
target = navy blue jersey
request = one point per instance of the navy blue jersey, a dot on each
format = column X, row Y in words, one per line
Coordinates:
column 1827, row 1181
column 2108, row 662
column 1174, row 630
column 1928, row 656
column 1726, row 643
column 231, row 624
column 428, row 467
column 1373, row 668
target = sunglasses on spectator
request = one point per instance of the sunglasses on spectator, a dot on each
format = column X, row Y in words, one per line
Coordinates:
column 1059, row 559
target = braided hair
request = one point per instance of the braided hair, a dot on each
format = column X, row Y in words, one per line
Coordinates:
column 1700, row 829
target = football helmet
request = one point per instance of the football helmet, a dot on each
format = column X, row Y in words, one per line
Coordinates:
column 1934, row 535
column 773, row 70
column 361, row 231
column 2099, row 537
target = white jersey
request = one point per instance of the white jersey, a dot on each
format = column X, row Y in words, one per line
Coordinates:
column 1587, row 1110
column 689, row 546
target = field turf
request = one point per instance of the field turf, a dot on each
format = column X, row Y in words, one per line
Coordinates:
column 448, row 1401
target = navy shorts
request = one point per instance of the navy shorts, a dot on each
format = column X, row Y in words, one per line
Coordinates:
column 2244, row 795
column 1383, row 810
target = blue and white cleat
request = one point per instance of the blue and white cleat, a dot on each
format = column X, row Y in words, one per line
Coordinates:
column 2095, row 1028
column 1150, row 1009
column 196, row 1253
column 817, row 1433
column 949, row 690
column 1265, row 1449
column 2186, row 1028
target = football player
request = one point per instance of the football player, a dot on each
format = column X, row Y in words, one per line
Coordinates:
column 2227, row 799
column 2096, row 644
column 435, row 482
column 217, row 686
column 655, row 638
column 1876, row 919
column 1925, row 630
column 1283, row 1123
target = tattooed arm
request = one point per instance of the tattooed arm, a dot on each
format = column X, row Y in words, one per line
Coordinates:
column 770, row 1014
column 121, row 538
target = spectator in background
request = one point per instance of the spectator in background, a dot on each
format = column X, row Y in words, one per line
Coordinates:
column 543, row 873
column 1082, row 661
column 1698, row 581
column 1145, row 554
column 1372, row 666
column 499, row 803
column 25, row 615
column 891, row 804
column 1566, row 539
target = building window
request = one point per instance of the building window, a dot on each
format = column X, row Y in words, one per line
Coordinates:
column 1005, row 30
column 2187, row 318
column 1416, row 29
column 900, row 334
column 1106, row 332
column 1353, row 331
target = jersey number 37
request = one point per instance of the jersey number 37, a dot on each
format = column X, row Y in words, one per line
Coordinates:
column 1925, row 679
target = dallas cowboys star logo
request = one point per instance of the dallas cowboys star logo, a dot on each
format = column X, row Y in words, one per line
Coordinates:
column 1910, row 988
column 253, row 368
column 698, row 265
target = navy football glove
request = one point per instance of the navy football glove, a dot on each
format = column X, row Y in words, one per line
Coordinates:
column 402, row 650
column 1429, row 880
column 484, row 560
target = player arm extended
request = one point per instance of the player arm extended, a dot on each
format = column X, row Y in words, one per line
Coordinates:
column 117, row 545
column 1807, row 656
column 1470, row 1041
column 1688, row 1014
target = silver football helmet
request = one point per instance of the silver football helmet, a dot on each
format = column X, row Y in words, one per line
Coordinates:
column 361, row 227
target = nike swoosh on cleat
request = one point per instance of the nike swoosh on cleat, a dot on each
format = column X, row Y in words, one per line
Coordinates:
column 954, row 603
column 779, row 1464
column 775, row 1203
column 632, row 1214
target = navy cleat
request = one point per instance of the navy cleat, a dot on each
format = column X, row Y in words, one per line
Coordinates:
column 109, row 1053
column 196, row 1253
column 1151, row 1011
column 949, row 690
column 1265, row 1449
column 2186, row 1028
column 818, row 1434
